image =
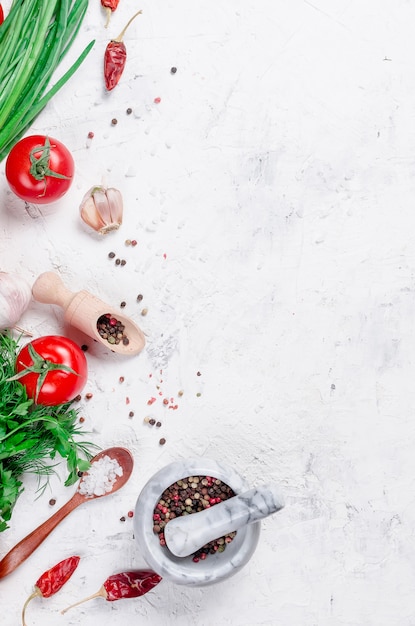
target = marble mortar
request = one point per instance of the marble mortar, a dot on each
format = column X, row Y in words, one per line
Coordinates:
column 182, row 570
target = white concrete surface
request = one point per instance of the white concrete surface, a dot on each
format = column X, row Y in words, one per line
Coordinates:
column 272, row 195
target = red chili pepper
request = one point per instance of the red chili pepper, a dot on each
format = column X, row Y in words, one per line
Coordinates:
column 1, row 15
column 130, row 584
column 115, row 58
column 52, row 580
column 110, row 6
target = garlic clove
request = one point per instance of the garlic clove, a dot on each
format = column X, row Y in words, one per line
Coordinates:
column 89, row 212
column 15, row 297
column 102, row 209
column 115, row 205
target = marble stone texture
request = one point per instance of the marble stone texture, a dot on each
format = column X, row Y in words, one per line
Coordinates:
column 186, row 534
column 271, row 192
column 215, row 569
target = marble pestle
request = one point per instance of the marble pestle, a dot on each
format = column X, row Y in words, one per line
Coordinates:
column 186, row 534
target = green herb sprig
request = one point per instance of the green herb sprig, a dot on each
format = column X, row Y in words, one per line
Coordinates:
column 33, row 436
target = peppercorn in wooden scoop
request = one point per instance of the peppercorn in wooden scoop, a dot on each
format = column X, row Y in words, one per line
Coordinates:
column 109, row 471
column 91, row 315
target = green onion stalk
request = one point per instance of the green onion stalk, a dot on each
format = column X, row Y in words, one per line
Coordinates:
column 34, row 38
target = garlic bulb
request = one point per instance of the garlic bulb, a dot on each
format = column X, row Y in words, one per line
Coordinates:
column 15, row 296
column 102, row 208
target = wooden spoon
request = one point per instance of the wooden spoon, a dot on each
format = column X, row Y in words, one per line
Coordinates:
column 26, row 546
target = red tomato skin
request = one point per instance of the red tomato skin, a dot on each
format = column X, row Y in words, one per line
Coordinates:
column 59, row 386
column 21, row 181
column 1, row 15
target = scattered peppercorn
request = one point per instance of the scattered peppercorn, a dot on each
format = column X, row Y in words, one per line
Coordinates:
column 90, row 135
column 198, row 394
column 111, row 255
column 152, row 421
column 128, row 242
column 84, row 347
column 139, row 297
column 131, row 414
column 77, row 398
column 80, row 474
column 88, row 396
column 122, row 519
column 165, row 401
column 130, row 513
column 114, row 121
column 162, row 441
column 123, row 304
column 157, row 100
column 123, row 262
column 121, row 379
column 158, row 424
column 129, row 111
column 173, row 70
column 144, row 311
column 52, row 502
column 180, row 393
column 117, row 261
column 134, row 242
column 81, row 420
column 198, row 374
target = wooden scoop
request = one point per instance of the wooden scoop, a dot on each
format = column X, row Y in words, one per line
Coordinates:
column 26, row 546
column 83, row 311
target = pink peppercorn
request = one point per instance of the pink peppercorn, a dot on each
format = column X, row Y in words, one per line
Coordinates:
column 113, row 321
column 157, row 100
column 130, row 513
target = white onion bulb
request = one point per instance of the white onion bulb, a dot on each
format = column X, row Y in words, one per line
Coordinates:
column 15, row 297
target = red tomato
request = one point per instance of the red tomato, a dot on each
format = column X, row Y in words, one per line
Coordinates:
column 56, row 369
column 1, row 15
column 39, row 169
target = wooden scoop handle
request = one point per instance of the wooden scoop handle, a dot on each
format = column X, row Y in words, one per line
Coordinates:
column 26, row 546
column 49, row 289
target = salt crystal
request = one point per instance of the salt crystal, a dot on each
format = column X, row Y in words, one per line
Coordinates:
column 100, row 477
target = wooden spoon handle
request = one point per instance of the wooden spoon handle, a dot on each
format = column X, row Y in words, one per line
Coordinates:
column 50, row 289
column 26, row 546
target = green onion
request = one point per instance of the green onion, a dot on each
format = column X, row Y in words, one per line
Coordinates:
column 34, row 38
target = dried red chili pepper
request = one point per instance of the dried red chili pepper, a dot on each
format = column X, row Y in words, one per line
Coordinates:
column 115, row 58
column 52, row 580
column 110, row 6
column 130, row 584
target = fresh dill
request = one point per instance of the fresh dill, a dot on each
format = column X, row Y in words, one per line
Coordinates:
column 33, row 436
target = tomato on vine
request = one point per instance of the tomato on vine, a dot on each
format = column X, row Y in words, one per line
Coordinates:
column 53, row 369
column 39, row 169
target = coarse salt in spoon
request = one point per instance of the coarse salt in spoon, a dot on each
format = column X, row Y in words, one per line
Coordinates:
column 109, row 471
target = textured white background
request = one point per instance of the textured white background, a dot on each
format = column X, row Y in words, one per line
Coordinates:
column 276, row 175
